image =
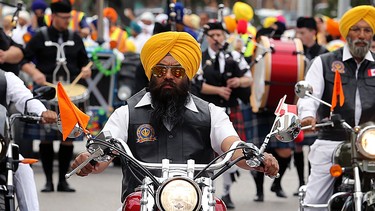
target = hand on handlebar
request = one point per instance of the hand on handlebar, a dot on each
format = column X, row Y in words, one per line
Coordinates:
column 270, row 165
column 309, row 121
column 49, row 117
column 88, row 169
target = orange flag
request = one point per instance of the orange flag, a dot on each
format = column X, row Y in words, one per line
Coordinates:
column 70, row 115
column 337, row 91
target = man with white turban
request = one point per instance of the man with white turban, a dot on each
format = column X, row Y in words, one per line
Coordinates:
column 24, row 21
column 165, row 120
column 354, row 63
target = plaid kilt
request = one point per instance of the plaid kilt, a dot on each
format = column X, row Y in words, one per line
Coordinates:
column 258, row 125
column 236, row 118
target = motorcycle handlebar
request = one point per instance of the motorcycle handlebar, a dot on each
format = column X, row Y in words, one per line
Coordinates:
column 156, row 166
column 29, row 118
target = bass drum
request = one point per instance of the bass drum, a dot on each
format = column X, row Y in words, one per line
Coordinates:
column 276, row 73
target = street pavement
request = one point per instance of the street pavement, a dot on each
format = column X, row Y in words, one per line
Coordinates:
column 101, row 192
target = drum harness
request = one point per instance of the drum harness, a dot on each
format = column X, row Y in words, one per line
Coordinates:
column 60, row 56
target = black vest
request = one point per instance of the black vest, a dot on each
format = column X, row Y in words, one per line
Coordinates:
column 190, row 140
column 213, row 77
column 3, row 89
column 365, row 84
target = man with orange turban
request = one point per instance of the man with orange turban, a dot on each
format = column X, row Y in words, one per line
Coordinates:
column 173, row 117
column 353, row 63
column 116, row 34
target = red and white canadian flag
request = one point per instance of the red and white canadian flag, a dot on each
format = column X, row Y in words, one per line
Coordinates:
column 282, row 108
column 371, row 72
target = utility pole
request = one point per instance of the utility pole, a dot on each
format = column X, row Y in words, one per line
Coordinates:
column 342, row 7
column 304, row 8
column 100, row 21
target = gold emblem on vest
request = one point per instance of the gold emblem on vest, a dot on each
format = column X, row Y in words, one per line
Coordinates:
column 145, row 133
column 339, row 66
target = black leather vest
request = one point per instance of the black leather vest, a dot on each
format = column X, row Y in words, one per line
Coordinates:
column 213, row 77
column 191, row 140
column 365, row 83
column 3, row 89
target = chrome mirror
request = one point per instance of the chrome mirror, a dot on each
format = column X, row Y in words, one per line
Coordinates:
column 303, row 88
column 76, row 132
column 286, row 127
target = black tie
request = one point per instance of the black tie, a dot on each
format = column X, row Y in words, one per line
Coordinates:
column 217, row 63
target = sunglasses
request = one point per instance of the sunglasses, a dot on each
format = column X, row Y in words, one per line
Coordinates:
column 161, row 70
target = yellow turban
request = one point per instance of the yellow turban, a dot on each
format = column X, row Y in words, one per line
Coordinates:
column 181, row 45
column 354, row 15
column 243, row 11
column 269, row 21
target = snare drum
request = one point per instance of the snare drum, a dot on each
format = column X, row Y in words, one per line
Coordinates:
column 77, row 93
column 275, row 74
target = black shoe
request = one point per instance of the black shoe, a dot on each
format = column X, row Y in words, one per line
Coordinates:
column 64, row 187
column 228, row 202
column 48, row 187
column 259, row 198
column 279, row 192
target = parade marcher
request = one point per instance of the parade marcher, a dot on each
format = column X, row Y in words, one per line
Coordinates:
column 42, row 72
column 261, row 124
column 38, row 17
column 170, row 60
column 139, row 37
column 78, row 22
column 23, row 23
column 225, row 80
column 306, row 31
column 7, row 25
column 352, row 62
column 10, row 53
column 116, row 34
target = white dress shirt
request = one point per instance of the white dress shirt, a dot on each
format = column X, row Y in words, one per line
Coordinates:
column 18, row 94
column 308, row 106
column 221, row 126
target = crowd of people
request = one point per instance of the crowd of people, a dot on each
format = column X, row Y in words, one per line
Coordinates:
column 210, row 79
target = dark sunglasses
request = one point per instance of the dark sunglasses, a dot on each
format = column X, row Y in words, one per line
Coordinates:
column 160, row 70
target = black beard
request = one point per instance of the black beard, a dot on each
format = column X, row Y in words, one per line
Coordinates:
column 169, row 105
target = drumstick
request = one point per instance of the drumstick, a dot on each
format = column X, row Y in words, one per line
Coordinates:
column 80, row 75
column 49, row 84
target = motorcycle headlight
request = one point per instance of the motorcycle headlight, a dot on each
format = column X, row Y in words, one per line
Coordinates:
column 179, row 194
column 366, row 142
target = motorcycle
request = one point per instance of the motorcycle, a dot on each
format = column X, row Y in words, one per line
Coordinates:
column 9, row 151
column 183, row 187
column 353, row 164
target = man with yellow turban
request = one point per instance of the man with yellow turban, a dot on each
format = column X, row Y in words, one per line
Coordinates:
column 172, row 117
column 354, row 62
